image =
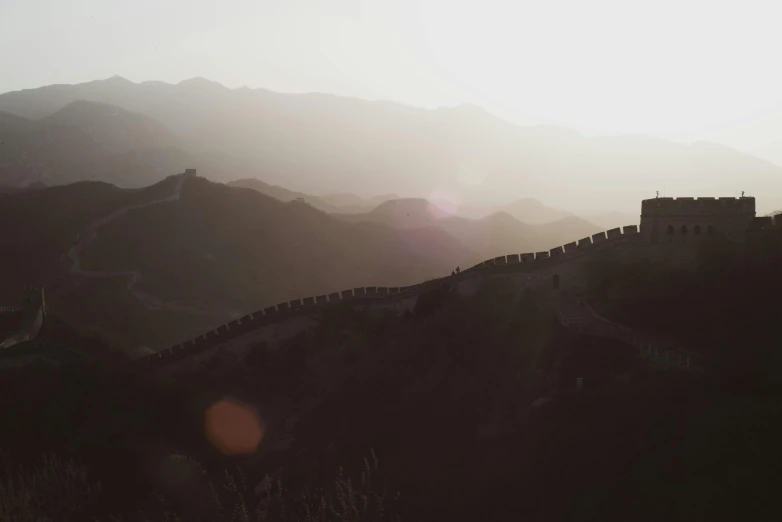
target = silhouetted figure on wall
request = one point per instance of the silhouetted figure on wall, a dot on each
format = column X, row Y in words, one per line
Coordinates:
column 453, row 272
column 458, row 269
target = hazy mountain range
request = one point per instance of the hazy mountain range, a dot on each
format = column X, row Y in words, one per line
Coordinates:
column 310, row 203
column 323, row 144
column 216, row 253
column 759, row 134
column 84, row 141
column 489, row 236
column 331, row 203
column 222, row 251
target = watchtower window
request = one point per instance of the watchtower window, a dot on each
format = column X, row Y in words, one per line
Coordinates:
column 697, row 230
column 684, row 230
column 670, row 230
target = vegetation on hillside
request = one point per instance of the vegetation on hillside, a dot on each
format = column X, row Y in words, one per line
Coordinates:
column 726, row 309
column 445, row 395
column 217, row 253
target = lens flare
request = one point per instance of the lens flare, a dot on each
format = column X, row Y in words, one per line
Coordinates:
column 442, row 204
column 233, row 428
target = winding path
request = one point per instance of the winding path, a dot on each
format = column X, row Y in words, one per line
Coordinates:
column 133, row 277
column 576, row 313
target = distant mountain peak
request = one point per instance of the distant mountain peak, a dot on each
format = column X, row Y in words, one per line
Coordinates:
column 202, row 83
column 118, row 80
column 94, row 106
column 530, row 210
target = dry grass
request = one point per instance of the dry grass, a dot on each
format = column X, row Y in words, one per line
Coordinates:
column 53, row 490
column 342, row 501
column 60, row 491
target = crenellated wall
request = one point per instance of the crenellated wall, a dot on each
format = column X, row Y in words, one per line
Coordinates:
column 539, row 264
column 669, row 235
column 568, row 265
column 687, row 219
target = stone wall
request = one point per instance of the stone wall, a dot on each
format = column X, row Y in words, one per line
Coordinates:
column 541, row 264
column 691, row 219
column 569, row 264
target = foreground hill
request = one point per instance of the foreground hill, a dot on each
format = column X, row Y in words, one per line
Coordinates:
column 319, row 144
column 215, row 253
column 465, row 409
column 492, row 236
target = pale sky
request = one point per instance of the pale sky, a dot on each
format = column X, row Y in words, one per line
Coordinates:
column 661, row 67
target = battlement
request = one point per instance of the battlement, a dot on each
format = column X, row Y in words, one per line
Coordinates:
column 383, row 296
column 681, row 219
column 698, row 206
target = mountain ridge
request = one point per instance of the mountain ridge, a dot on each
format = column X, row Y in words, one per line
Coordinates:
column 496, row 234
column 325, row 143
column 219, row 249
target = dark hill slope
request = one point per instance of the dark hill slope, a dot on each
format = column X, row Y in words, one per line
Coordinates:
column 217, row 252
column 38, row 226
column 243, row 250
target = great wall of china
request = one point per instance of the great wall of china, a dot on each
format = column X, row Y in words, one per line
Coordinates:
column 133, row 277
column 532, row 270
column 671, row 230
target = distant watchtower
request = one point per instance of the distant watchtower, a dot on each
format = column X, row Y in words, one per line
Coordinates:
column 190, row 172
column 679, row 219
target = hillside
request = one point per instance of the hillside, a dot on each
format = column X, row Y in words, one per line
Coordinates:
column 609, row 220
column 331, row 203
column 242, row 250
column 39, row 226
column 405, row 406
column 320, row 144
column 352, row 203
column 492, row 236
column 533, row 211
column 113, row 128
column 87, row 141
column 58, row 344
column 216, row 253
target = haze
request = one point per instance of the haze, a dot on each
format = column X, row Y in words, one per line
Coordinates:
column 671, row 68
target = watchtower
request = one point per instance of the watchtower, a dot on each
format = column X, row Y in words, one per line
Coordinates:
column 682, row 219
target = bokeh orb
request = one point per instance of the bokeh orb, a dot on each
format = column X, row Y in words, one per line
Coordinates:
column 233, row 428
